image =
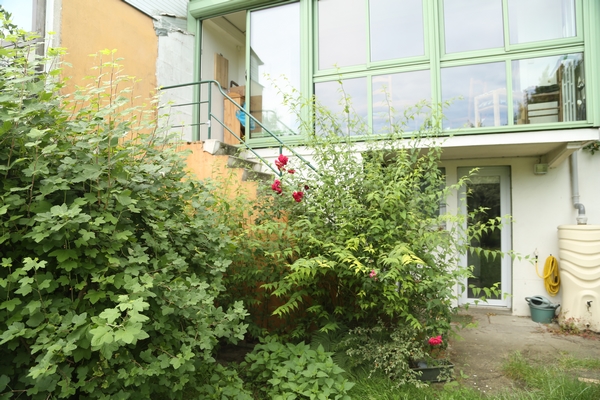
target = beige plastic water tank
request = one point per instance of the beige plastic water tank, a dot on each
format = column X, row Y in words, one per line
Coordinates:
column 579, row 266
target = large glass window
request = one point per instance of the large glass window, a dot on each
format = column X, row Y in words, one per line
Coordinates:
column 342, row 33
column 537, row 20
column 396, row 96
column 396, row 29
column 274, row 67
column 22, row 12
column 473, row 25
column 345, row 103
column 477, row 95
column 549, row 89
column 502, row 38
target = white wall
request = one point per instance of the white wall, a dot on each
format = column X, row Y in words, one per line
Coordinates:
column 217, row 41
column 175, row 65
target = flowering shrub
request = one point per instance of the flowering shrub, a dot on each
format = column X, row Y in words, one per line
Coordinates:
column 368, row 240
column 435, row 341
column 281, row 163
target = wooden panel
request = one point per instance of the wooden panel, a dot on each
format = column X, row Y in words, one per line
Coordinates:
column 230, row 120
column 221, row 70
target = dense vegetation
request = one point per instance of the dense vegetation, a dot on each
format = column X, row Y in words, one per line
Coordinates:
column 112, row 261
column 122, row 277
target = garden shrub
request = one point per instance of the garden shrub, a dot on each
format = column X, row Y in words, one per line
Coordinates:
column 112, row 259
column 366, row 238
column 295, row 371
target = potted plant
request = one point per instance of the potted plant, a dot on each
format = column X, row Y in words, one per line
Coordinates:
column 435, row 366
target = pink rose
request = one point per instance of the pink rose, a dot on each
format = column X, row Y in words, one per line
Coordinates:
column 373, row 274
column 436, row 341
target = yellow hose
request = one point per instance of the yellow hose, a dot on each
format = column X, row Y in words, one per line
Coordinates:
column 551, row 276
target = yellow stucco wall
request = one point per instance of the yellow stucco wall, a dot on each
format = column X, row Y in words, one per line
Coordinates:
column 88, row 26
column 202, row 165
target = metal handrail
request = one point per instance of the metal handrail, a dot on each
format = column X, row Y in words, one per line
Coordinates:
column 248, row 117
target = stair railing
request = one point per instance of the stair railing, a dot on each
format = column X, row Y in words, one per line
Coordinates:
column 212, row 117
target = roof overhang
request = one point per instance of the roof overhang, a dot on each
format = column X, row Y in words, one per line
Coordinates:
column 551, row 146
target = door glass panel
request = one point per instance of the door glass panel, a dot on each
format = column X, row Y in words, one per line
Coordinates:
column 342, row 33
column 477, row 94
column 484, row 29
column 399, row 19
column 395, row 94
column 549, row 89
column 536, row 20
column 349, row 120
column 274, row 67
column 484, row 191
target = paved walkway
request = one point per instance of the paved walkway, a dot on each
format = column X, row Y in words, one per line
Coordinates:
column 480, row 352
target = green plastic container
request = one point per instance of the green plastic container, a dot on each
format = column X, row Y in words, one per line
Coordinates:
column 542, row 309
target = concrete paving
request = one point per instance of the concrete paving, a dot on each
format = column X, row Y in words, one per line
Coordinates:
column 482, row 349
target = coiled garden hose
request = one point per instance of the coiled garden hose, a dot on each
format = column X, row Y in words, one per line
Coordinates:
column 551, row 276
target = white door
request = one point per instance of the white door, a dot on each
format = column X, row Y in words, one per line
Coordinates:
column 488, row 188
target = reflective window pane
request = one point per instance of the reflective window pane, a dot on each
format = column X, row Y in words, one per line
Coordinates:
column 397, row 94
column 536, row 20
column 21, row 12
column 342, row 33
column 477, row 94
column 549, row 89
column 274, row 67
column 346, row 106
column 473, row 25
column 396, row 28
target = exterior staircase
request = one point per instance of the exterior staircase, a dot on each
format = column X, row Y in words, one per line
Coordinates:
column 214, row 159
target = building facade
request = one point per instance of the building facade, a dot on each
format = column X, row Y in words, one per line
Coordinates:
column 521, row 78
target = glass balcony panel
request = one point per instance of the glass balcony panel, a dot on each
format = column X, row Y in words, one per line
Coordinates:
column 342, row 33
column 477, row 95
column 473, row 25
column 395, row 99
column 274, row 68
column 346, row 106
column 396, row 28
column 537, row 20
column 549, row 89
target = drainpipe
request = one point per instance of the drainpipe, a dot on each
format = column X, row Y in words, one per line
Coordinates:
column 581, row 217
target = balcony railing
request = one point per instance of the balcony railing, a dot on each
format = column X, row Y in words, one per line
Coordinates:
column 208, row 119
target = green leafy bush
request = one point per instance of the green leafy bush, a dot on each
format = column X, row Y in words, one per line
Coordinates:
column 112, row 261
column 371, row 243
column 295, row 371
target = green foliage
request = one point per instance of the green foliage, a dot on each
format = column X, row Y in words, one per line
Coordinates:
column 370, row 241
column 295, row 371
column 392, row 352
column 112, row 262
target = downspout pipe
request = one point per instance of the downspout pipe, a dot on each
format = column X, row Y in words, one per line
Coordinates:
column 581, row 217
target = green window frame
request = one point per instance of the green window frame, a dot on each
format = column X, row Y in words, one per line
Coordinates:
column 434, row 59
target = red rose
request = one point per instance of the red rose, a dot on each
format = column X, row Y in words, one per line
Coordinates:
column 298, row 196
column 281, row 161
column 276, row 186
